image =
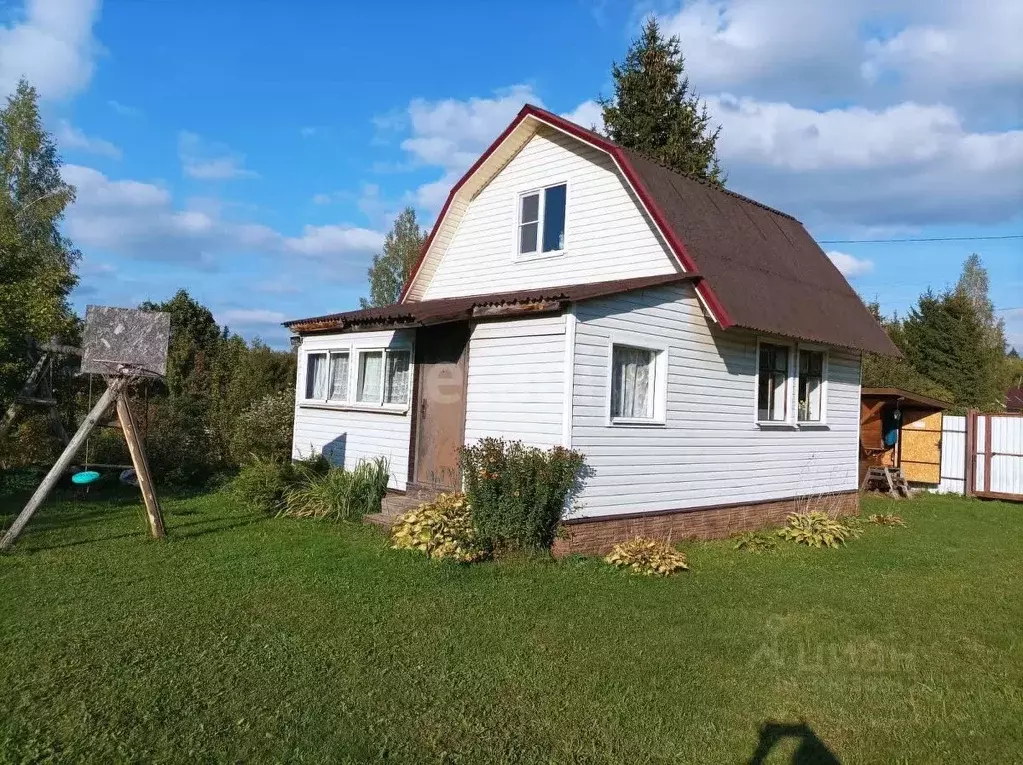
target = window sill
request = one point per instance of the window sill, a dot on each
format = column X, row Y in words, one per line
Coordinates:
column 524, row 257
column 398, row 410
column 813, row 426
column 776, row 425
column 626, row 422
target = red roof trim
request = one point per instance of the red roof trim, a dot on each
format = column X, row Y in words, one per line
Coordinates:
column 587, row 136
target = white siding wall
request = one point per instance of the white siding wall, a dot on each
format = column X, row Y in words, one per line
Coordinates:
column 516, row 381
column 349, row 435
column 709, row 451
column 607, row 236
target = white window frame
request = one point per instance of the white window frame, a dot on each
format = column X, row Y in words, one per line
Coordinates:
column 385, row 351
column 823, row 421
column 539, row 254
column 661, row 361
column 354, row 352
column 791, row 420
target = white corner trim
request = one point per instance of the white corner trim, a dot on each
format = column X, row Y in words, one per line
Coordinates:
column 569, row 382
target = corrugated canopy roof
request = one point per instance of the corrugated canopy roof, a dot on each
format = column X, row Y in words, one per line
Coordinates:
column 423, row 312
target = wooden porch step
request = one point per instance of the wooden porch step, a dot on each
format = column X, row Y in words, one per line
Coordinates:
column 397, row 503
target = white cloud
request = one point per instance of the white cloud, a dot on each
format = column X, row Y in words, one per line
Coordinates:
column 325, row 241
column 850, row 265
column 909, row 164
column 206, row 160
column 869, row 51
column 249, row 317
column 323, row 199
column 954, row 45
column 139, row 220
column 123, row 109
column 589, row 114
column 52, row 45
column 70, row 137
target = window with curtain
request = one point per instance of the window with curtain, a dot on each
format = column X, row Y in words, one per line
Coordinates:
column 811, row 385
column 542, row 220
column 396, row 382
column 316, row 376
column 772, row 383
column 339, row 376
column 632, row 382
column 371, row 376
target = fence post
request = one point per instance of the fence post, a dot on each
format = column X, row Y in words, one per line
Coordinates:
column 971, row 452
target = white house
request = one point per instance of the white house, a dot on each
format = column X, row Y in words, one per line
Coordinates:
column 697, row 346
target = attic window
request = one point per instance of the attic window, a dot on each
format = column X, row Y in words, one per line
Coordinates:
column 542, row 226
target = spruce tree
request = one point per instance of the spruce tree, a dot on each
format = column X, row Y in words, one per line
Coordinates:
column 391, row 267
column 36, row 260
column 654, row 111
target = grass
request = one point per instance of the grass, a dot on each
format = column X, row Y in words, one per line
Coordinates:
column 244, row 638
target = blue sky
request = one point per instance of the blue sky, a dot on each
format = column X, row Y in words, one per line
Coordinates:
column 255, row 152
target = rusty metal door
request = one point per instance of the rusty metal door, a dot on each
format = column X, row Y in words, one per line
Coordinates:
column 440, row 405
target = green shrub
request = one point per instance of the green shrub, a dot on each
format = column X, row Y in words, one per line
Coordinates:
column 181, row 444
column 263, row 483
column 518, row 493
column 264, row 428
column 887, row 519
column 647, row 556
column 338, row 494
column 755, row 541
column 441, row 529
column 817, row 529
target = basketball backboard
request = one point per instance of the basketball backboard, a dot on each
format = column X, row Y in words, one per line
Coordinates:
column 116, row 337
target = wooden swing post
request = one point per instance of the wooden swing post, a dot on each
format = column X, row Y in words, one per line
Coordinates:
column 138, row 459
column 63, row 462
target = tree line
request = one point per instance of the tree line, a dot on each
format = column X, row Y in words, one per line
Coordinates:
column 223, row 398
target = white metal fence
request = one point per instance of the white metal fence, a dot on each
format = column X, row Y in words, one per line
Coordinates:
column 994, row 467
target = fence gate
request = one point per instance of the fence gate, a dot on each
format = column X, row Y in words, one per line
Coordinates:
column 996, row 443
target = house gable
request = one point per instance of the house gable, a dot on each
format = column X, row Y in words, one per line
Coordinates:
column 607, row 234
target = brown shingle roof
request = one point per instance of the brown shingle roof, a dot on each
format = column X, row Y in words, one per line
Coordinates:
column 762, row 269
column 443, row 310
column 763, row 266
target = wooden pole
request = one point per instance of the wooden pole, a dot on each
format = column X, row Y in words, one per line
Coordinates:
column 63, row 463
column 138, row 458
column 26, row 392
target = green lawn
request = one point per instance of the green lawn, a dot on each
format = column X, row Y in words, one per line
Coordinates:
column 248, row 639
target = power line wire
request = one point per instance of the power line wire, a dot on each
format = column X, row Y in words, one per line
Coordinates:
column 922, row 239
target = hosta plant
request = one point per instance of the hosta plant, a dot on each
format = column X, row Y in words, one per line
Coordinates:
column 816, row 529
column 647, row 556
column 441, row 529
column 887, row 519
column 755, row 541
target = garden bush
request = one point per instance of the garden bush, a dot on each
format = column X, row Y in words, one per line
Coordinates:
column 755, row 541
column 647, row 556
column 441, row 529
column 264, row 429
column 338, row 494
column 264, row 483
column 817, row 529
column 887, row 519
column 517, row 493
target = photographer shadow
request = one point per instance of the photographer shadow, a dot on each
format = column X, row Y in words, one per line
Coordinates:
column 809, row 751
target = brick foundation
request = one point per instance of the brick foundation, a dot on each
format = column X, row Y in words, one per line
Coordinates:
column 596, row 536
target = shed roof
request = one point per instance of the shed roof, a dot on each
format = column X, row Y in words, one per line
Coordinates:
column 424, row 312
column 762, row 269
column 915, row 399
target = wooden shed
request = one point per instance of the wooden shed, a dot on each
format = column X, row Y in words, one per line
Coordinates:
column 901, row 429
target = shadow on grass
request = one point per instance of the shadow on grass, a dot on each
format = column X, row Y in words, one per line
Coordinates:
column 810, row 750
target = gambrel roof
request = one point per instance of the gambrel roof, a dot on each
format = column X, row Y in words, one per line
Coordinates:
column 761, row 269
